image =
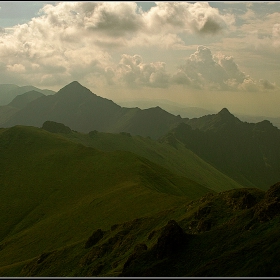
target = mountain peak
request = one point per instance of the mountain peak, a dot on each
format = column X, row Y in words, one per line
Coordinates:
column 74, row 84
column 225, row 112
column 74, row 89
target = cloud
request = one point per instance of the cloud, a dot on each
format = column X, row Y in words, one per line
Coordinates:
column 181, row 78
column 215, row 72
column 260, row 32
column 248, row 84
column 185, row 17
column 202, row 71
column 72, row 40
column 133, row 72
column 17, row 68
column 267, row 84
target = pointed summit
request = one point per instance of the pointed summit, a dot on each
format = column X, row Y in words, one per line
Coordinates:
column 74, row 86
column 225, row 112
column 225, row 115
column 75, row 90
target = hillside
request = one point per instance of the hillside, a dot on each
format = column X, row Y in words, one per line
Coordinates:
column 179, row 160
column 230, row 234
column 50, row 187
column 90, row 188
column 247, row 152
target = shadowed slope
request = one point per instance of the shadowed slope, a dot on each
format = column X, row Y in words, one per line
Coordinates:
column 50, row 187
column 177, row 159
column 230, row 234
column 247, row 152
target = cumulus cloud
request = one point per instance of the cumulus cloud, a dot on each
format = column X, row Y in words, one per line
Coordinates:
column 133, row 72
column 75, row 38
column 215, row 72
column 72, row 40
column 199, row 17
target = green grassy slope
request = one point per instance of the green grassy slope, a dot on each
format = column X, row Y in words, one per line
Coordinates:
column 55, row 192
column 229, row 234
column 177, row 159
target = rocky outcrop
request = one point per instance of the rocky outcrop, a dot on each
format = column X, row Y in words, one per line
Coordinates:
column 171, row 240
column 138, row 250
column 241, row 199
column 269, row 207
column 94, row 238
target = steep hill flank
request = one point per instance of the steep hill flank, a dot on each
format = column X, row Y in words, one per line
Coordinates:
column 179, row 160
column 230, row 234
column 247, row 152
column 50, row 187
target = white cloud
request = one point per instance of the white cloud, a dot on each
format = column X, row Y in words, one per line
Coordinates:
column 216, row 72
column 133, row 72
column 199, row 17
column 77, row 40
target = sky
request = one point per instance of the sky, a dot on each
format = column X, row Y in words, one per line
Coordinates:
column 200, row 54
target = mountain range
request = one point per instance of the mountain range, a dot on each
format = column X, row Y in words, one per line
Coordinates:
column 246, row 152
column 90, row 188
column 9, row 91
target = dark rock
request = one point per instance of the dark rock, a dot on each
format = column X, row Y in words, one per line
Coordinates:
column 202, row 212
column 273, row 192
column 269, row 207
column 138, row 250
column 171, row 240
column 204, row 225
column 113, row 227
column 42, row 257
column 267, row 210
column 94, row 238
column 241, row 199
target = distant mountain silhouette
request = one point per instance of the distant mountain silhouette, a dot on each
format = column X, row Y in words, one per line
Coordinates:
column 9, row 91
column 247, row 152
column 80, row 109
column 169, row 106
column 216, row 122
column 20, row 101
